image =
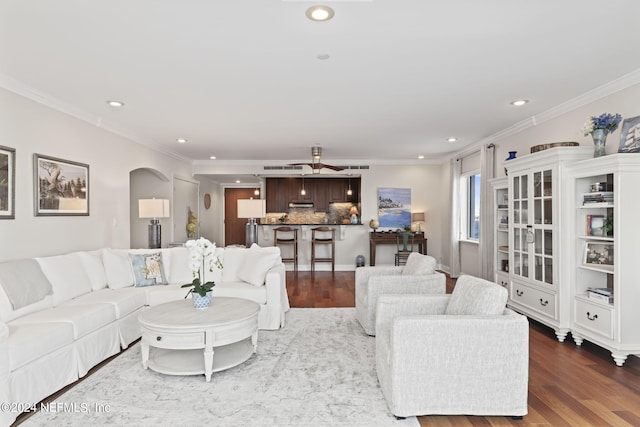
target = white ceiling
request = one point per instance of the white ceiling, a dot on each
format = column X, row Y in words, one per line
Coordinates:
column 240, row 79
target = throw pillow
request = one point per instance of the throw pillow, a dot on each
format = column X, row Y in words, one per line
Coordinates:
column 475, row 296
column 148, row 269
column 256, row 263
column 233, row 259
column 92, row 263
column 67, row 276
column 419, row 265
column 117, row 268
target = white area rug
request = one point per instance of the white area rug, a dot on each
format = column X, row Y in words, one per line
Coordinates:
column 317, row 371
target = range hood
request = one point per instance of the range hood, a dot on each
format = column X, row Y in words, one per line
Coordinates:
column 298, row 205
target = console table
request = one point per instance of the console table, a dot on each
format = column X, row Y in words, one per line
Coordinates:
column 380, row 238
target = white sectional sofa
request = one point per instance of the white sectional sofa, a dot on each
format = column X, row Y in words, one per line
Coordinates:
column 62, row 315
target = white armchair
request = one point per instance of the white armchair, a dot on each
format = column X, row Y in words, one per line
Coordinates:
column 418, row 276
column 463, row 353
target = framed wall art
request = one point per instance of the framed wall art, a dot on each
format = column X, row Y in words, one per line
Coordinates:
column 7, row 182
column 630, row 136
column 61, row 186
column 394, row 207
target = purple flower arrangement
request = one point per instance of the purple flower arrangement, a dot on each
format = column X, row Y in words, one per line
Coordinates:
column 605, row 121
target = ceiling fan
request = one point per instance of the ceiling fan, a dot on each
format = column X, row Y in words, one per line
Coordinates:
column 316, row 152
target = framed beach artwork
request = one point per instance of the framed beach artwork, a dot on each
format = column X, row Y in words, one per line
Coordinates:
column 7, row 182
column 61, row 186
column 630, row 136
column 394, row 207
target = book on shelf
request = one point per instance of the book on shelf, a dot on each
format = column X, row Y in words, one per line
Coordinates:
column 601, row 294
column 601, row 197
column 601, row 291
column 602, row 298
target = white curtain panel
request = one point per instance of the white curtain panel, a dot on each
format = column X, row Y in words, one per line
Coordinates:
column 487, row 172
column 456, row 169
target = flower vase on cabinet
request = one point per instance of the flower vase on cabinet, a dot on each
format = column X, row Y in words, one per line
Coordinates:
column 599, row 142
column 512, row 155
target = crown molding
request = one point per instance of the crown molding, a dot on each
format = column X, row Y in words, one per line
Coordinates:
column 15, row 86
column 621, row 83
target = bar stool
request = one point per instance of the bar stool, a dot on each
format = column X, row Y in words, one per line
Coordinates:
column 288, row 237
column 320, row 236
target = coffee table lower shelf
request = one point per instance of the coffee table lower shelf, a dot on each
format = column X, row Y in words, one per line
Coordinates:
column 191, row 361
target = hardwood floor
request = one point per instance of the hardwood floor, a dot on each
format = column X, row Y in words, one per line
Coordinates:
column 568, row 385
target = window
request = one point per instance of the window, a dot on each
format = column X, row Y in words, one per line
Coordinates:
column 470, row 193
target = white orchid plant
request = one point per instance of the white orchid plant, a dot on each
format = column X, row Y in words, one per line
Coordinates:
column 202, row 254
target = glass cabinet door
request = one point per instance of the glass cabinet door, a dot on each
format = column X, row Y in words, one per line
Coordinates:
column 520, row 216
column 533, row 233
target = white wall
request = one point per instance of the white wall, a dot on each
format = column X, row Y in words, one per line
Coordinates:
column 31, row 128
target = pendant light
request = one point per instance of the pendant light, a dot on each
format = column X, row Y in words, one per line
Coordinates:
column 349, row 191
column 303, row 192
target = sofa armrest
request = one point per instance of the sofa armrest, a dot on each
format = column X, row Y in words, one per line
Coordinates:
column 275, row 283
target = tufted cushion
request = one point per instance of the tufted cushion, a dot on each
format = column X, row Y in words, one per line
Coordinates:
column 256, row 262
column 419, row 265
column 475, row 296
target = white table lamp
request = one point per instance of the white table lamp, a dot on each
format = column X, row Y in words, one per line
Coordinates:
column 154, row 209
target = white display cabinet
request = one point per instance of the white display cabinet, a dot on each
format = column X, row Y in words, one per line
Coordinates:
column 537, row 287
column 604, row 265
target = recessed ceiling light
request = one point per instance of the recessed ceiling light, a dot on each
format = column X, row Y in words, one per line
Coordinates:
column 213, row 157
column 452, row 139
column 323, row 56
column 421, row 157
column 116, row 103
column 319, row 13
column 181, row 140
column 237, row 181
column 519, row 102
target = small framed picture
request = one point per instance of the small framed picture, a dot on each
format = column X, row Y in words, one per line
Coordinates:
column 61, row 187
column 7, row 182
column 595, row 225
column 599, row 254
column 630, row 136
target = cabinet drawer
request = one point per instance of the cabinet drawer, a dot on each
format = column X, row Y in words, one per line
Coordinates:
column 594, row 317
column 174, row 341
column 535, row 299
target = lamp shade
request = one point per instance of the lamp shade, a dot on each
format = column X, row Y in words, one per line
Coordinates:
column 153, row 208
column 252, row 208
column 417, row 216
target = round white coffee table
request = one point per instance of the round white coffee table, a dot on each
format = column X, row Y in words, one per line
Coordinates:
column 178, row 339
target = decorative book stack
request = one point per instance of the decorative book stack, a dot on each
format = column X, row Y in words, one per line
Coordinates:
column 601, row 294
column 598, row 198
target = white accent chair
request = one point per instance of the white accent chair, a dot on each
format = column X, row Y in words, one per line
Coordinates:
column 418, row 276
column 458, row 354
